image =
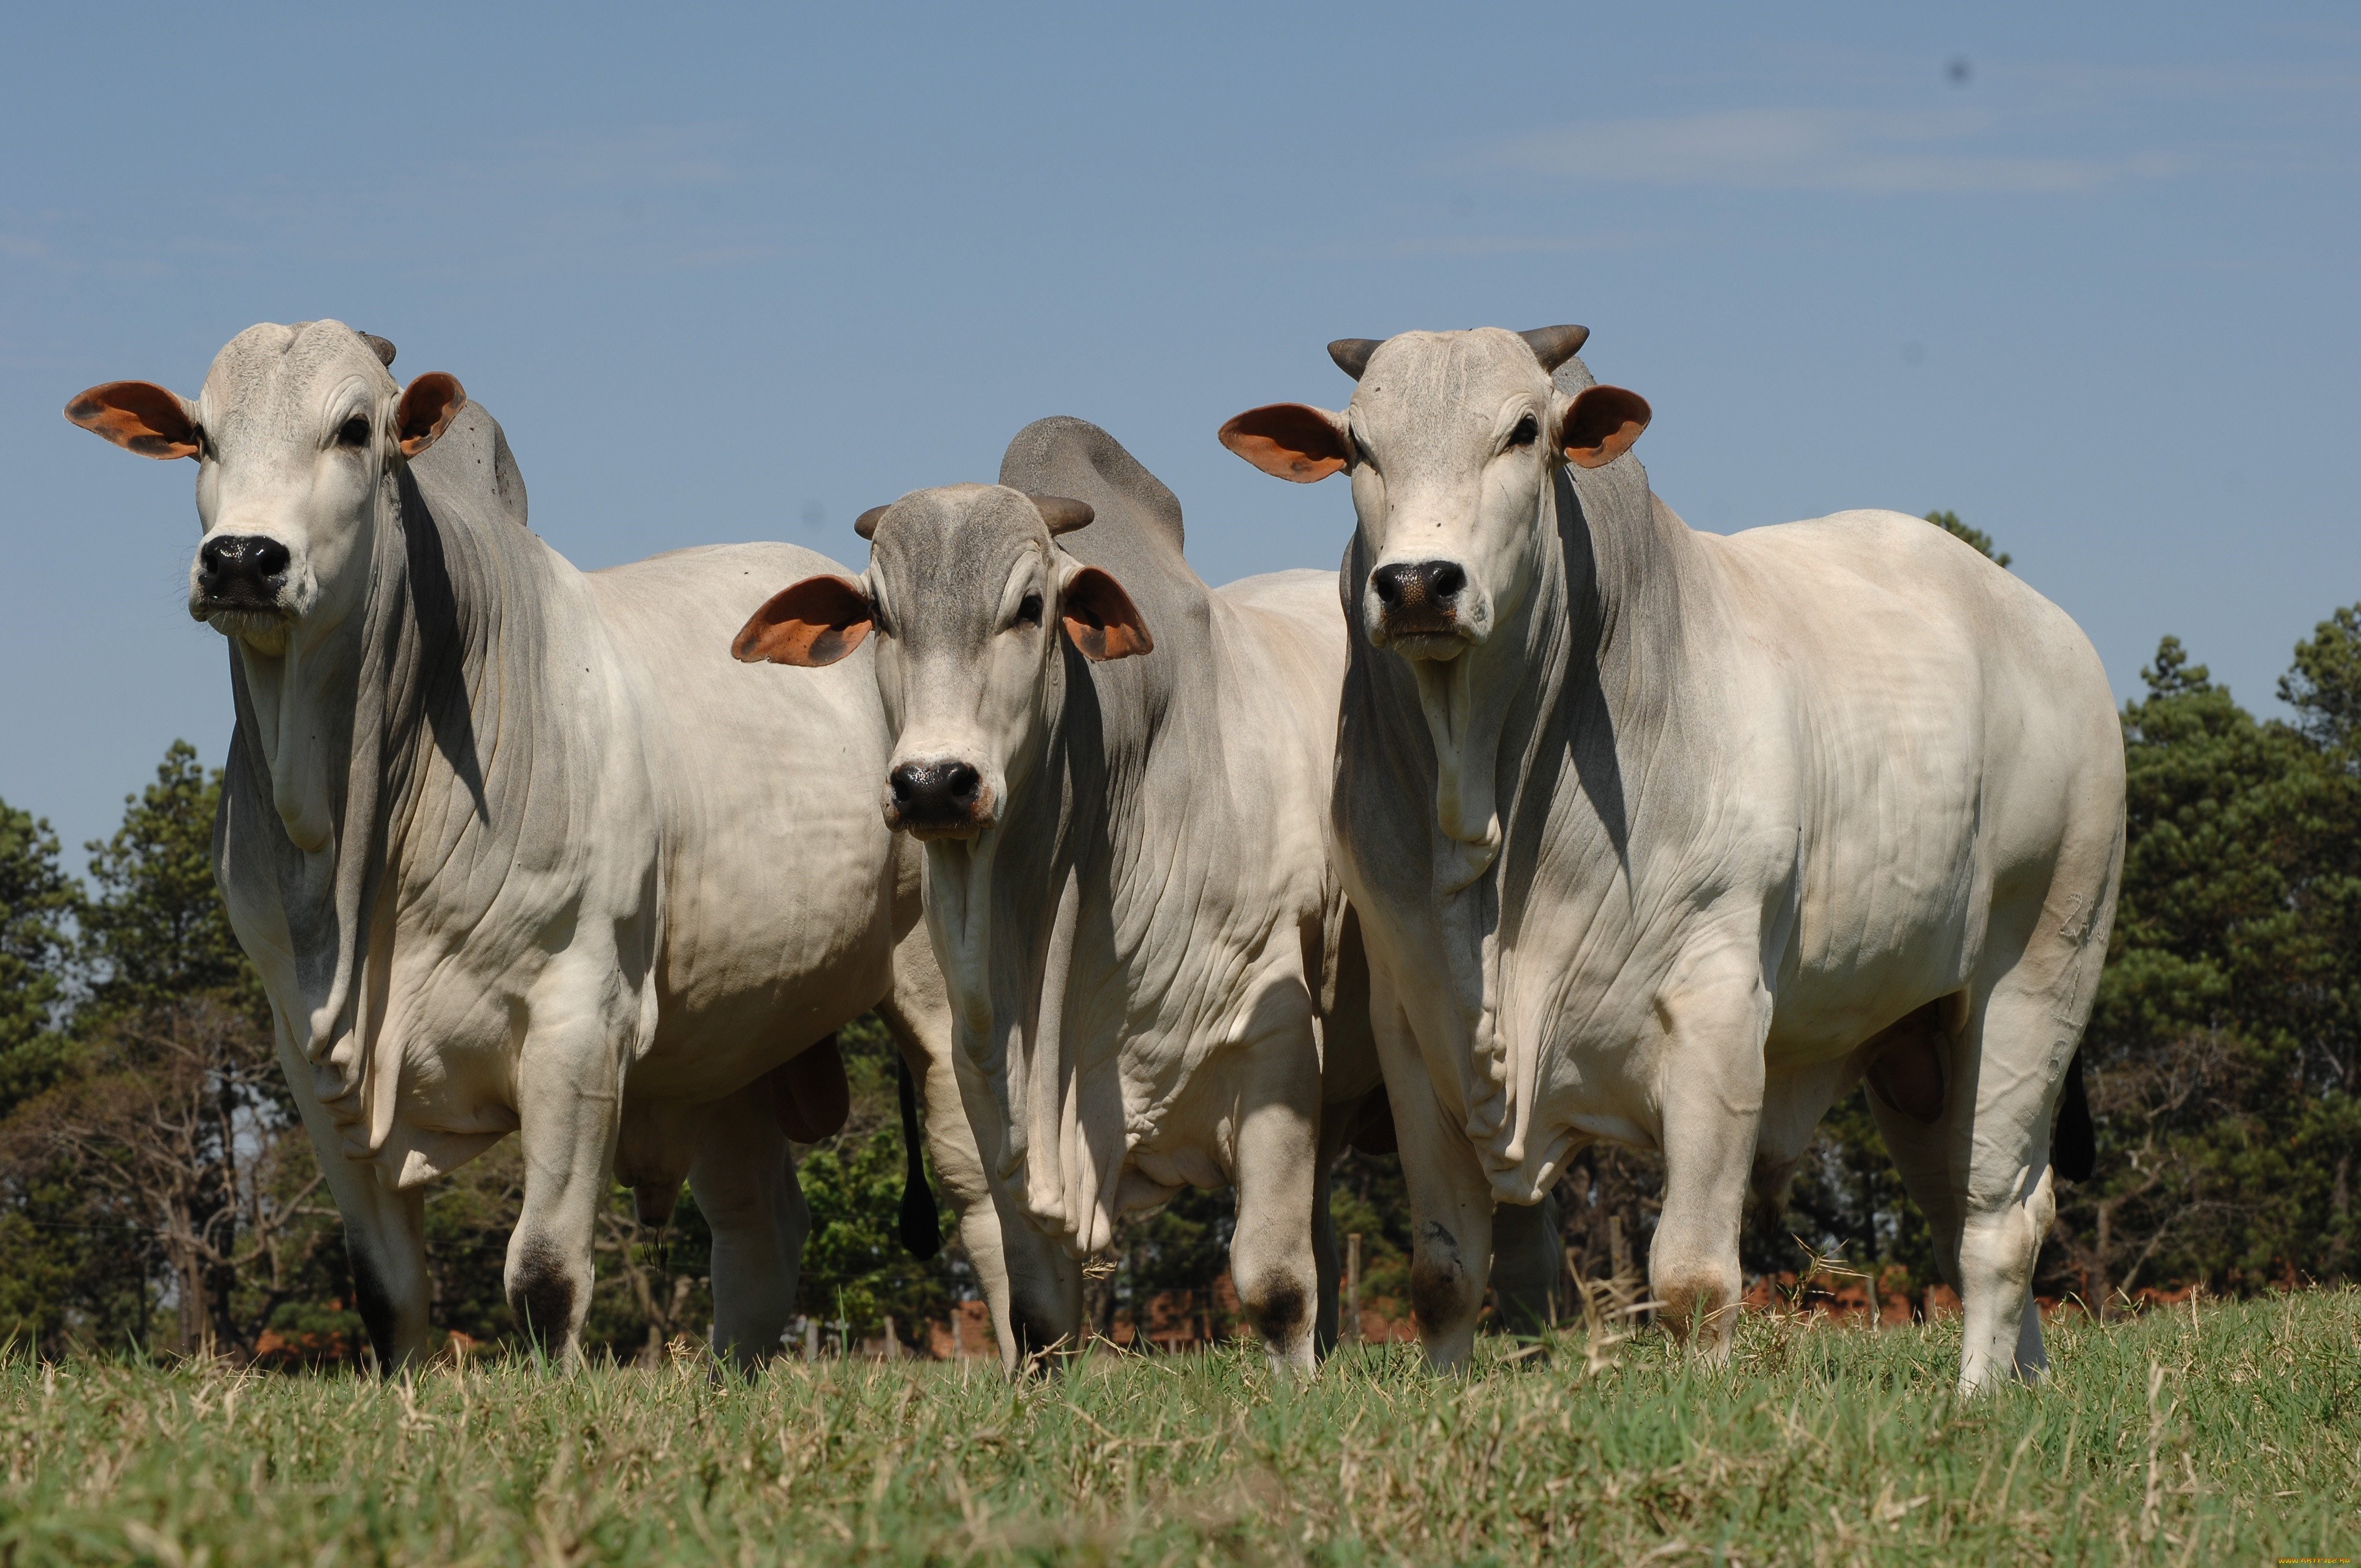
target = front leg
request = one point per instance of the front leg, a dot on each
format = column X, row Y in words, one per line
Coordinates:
column 1450, row 1201
column 569, row 1092
column 385, row 1230
column 1032, row 1285
column 1709, row 1083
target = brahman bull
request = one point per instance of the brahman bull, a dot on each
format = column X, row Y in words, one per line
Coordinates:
column 484, row 831
column 1120, row 778
column 1668, row 838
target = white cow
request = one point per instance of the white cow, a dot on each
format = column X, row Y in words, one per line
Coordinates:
column 1667, row 837
column 1120, row 777
column 485, row 832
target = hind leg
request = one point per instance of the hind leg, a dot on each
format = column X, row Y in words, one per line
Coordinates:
column 1978, row 1164
column 1528, row 1264
column 1274, row 1252
column 744, row 1174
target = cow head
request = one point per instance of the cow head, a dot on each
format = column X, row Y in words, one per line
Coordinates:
column 966, row 594
column 1450, row 438
column 295, row 431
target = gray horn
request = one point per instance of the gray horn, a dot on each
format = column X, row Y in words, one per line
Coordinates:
column 865, row 524
column 1352, row 354
column 379, row 346
column 1062, row 513
column 1554, row 345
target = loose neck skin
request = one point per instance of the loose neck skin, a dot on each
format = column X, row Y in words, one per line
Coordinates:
column 1587, row 652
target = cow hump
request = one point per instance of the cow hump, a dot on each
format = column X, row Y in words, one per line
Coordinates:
column 1062, row 455
column 472, row 459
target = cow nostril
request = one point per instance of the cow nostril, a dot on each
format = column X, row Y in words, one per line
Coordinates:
column 959, row 781
column 245, row 554
column 1388, row 581
column 908, row 781
column 1444, row 578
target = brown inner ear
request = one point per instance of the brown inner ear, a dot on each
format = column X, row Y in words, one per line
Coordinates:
column 1602, row 425
column 428, row 406
column 1101, row 618
column 1289, row 441
column 138, row 416
column 814, row 623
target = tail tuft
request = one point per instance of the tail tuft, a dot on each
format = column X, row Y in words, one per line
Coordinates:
column 921, row 1223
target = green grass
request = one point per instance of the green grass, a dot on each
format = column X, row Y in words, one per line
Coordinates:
column 2232, row 1435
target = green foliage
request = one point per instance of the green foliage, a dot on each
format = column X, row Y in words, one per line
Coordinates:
column 37, row 902
column 1948, row 521
column 855, row 1269
column 156, row 931
column 2230, row 1434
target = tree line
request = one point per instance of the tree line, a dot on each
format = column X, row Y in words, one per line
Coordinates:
column 158, row 1192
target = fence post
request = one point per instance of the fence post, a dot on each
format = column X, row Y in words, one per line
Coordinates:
column 1349, row 1331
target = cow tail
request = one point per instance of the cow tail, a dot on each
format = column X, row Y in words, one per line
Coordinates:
column 2074, row 1148
column 922, row 1225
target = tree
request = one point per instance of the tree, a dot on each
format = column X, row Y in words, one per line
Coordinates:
column 157, row 932
column 1948, row 521
column 36, row 901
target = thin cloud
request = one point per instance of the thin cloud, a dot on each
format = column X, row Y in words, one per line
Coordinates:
column 1809, row 149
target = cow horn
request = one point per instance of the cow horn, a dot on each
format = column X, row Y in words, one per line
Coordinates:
column 865, row 524
column 1062, row 513
column 1352, row 354
column 379, row 346
column 1554, row 345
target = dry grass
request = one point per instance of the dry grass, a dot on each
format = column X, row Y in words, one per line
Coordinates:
column 2228, row 1434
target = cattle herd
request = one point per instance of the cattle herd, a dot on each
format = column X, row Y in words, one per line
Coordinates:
column 1546, row 820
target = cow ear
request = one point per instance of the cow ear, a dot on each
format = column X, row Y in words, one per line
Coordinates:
column 138, row 416
column 1101, row 618
column 428, row 406
column 816, row 622
column 1600, row 426
column 1290, row 441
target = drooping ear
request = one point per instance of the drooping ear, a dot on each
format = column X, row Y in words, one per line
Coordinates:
column 1290, row 441
column 428, row 406
column 816, row 622
column 138, row 416
column 1101, row 618
column 1600, row 426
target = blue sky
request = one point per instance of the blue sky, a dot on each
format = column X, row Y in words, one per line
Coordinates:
column 2085, row 275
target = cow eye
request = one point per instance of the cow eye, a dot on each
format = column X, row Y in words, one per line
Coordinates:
column 1028, row 612
column 354, row 431
column 1526, row 431
column 1361, row 451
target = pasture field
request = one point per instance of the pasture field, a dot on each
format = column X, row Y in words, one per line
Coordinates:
column 2229, row 1433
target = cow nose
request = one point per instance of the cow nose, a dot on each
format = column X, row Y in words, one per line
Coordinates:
column 1407, row 583
column 934, row 790
column 253, row 556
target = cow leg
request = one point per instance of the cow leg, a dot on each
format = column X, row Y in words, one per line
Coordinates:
column 1272, row 1257
column 1032, row 1285
column 1450, row 1200
column 385, row 1232
column 1711, row 1085
column 743, row 1175
column 1335, row 1131
column 1528, row 1264
column 569, row 1117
